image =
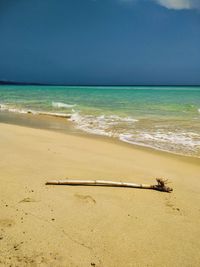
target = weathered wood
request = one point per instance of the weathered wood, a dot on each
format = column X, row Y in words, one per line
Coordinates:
column 160, row 186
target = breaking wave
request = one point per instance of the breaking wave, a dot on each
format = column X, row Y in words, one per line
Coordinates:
column 108, row 125
column 7, row 108
column 127, row 129
column 62, row 105
column 162, row 136
column 176, row 142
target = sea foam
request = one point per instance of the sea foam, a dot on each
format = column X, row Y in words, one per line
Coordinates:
column 176, row 142
column 7, row 108
column 126, row 130
column 102, row 125
column 62, row 105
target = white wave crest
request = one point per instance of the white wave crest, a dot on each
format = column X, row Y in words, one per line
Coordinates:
column 4, row 107
column 7, row 108
column 125, row 129
column 178, row 143
column 62, row 105
column 101, row 125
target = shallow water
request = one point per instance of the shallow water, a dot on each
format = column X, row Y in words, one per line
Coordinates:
column 165, row 118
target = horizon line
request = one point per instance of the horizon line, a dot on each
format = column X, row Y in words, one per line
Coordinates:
column 2, row 82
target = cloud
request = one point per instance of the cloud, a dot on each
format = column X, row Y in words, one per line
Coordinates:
column 179, row 4
column 171, row 4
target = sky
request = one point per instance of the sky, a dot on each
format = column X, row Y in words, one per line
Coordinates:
column 100, row 42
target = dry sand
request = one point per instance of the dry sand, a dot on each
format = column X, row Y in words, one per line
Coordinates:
column 94, row 226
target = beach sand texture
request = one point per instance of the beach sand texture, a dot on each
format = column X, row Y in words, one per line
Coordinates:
column 81, row 226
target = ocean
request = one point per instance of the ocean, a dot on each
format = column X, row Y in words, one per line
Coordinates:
column 164, row 118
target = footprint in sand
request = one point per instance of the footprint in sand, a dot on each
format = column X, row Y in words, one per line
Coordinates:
column 6, row 222
column 169, row 204
column 27, row 199
column 86, row 198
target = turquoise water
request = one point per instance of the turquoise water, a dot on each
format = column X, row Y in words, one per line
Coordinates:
column 166, row 118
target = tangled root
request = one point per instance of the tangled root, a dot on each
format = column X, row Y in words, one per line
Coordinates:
column 161, row 186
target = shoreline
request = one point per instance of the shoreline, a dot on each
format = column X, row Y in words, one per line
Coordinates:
column 63, row 125
column 94, row 226
column 163, row 125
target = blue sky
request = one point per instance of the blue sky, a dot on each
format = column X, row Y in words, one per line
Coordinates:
column 100, row 41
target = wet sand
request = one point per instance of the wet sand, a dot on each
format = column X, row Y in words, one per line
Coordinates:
column 94, row 226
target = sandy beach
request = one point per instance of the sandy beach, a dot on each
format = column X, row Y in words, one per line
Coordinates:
column 80, row 226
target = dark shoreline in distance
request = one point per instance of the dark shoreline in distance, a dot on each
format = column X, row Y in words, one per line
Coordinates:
column 108, row 85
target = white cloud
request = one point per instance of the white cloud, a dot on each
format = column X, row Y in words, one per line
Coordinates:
column 174, row 4
column 179, row 4
column 171, row 4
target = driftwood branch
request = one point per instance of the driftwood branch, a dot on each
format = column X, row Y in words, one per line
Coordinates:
column 160, row 186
